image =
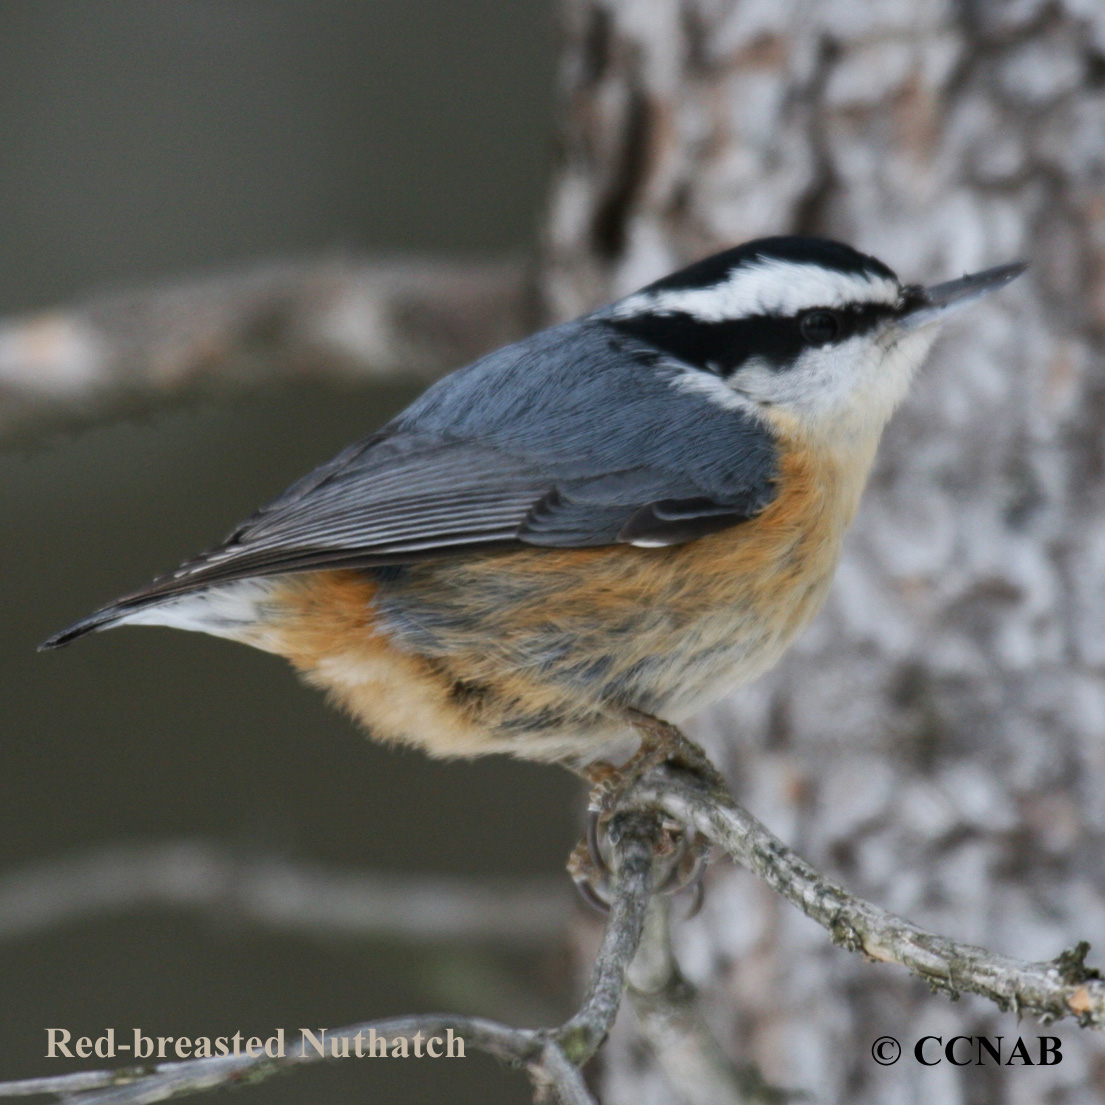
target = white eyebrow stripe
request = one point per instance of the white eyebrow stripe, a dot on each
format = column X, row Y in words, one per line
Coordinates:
column 767, row 287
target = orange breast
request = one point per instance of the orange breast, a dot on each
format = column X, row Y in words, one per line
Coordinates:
column 534, row 650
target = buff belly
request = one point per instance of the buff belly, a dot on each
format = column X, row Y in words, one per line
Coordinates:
column 535, row 652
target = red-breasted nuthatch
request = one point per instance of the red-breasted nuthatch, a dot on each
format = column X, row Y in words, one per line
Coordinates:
column 637, row 510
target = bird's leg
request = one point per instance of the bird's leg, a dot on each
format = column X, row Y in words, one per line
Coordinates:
column 663, row 742
column 687, row 854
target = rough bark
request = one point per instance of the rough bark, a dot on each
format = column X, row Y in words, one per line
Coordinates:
column 937, row 739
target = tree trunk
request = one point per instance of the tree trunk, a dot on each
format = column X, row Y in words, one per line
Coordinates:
column 937, row 739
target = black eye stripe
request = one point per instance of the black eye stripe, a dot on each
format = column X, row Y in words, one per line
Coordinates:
column 722, row 347
column 719, row 347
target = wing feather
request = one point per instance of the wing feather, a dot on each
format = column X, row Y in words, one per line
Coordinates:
column 492, row 457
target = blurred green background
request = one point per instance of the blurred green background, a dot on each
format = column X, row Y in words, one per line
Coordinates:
column 141, row 141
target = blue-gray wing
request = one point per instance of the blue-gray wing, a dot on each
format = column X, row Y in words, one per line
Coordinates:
column 567, row 440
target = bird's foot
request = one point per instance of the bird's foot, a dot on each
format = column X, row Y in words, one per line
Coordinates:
column 683, row 854
column 681, row 858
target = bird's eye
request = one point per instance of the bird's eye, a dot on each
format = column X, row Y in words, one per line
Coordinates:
column 821, row 327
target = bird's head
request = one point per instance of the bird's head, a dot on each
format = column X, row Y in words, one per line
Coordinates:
column 809, row 328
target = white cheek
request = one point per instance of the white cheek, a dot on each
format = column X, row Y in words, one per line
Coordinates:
column 898, row 357
column 820, row 381
column 851, row 387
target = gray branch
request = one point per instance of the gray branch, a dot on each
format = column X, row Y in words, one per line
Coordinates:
column 1052, row 990
column 141, row 1085
column 633, row 839
column 665, row 1003
column 338, row 318
column 552, row 1057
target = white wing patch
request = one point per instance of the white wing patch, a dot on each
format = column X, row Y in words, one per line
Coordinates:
column 767, row 287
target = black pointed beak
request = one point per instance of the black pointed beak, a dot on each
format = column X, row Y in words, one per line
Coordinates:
column 936, row 302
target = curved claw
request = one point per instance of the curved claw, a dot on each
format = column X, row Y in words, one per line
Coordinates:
column 591, row 896
column 692, row 881
column 594, row 845
column 695, row 882
column 698, row 896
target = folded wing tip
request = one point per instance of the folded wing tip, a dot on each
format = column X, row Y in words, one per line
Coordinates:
column 99, row 620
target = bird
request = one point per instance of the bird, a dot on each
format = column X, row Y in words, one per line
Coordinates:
column 622, row 516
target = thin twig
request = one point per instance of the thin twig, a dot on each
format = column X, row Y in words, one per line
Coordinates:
column 552, row 1057
column 1062, row 987
column 634, row 839
column 556, row 1072
column 205, row 877
column 142, row 1084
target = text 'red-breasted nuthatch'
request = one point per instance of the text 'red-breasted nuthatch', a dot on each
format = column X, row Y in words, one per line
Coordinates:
column 637, row 510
